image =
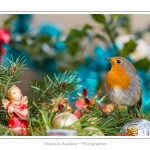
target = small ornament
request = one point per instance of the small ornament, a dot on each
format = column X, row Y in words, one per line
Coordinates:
column 93, row 131
column 66, row 120
column 17, row 110
column 77, row 113
column 63, row 103
column 83, row 104
column 79, row 104
column 69, row 108
column 132, row 130
column 138, row 127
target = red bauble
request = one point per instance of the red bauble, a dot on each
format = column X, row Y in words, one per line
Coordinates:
column 4, row 36
column 79, row 104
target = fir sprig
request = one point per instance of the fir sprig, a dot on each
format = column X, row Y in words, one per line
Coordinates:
column 10, row 74
column 56, row 86
column 110, row 124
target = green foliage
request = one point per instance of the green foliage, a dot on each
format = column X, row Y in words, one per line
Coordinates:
column 128, row 48
column 110, row 124
column 142, row 64
column 122, row 21
column 74, row 39
column 10, row 74
column 62, row 84
column 9, row 19
column 99, row 18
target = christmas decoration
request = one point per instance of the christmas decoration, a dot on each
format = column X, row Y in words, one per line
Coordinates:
column 84, row 103
column 64, row 120
column 63, row 103
column 50, row 51
column 138, row 127
column 17, row 110
column 93, row 131
column 50, row 109
column 4, row 38
column 132, row 130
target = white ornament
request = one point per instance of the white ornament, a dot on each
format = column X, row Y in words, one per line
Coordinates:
column 66, row 120
column 93, row 131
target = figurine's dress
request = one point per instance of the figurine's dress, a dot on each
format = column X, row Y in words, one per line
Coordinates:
column 17, row 121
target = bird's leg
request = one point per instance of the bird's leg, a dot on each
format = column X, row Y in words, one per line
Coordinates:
column 135, row 110
column 139, row 106
column 130, row 110
column 116, row 107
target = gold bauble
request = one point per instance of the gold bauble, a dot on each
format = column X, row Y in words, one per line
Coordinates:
column 93, row 131
column 66, row 120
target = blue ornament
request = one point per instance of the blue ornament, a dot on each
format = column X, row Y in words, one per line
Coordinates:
column 60, row 46
column 22, row 23
column 50, row 29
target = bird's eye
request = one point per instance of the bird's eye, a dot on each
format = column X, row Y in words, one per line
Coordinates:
column 118, row 61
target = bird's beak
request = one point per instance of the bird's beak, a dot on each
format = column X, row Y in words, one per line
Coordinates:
column 107, row 59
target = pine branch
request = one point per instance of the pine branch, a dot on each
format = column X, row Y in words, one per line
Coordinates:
column 10, row 74
column 58, row 85
column 109, row 124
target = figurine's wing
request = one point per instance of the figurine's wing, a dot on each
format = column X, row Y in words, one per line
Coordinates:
column 5, row 103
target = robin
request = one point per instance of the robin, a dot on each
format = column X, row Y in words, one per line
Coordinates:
column 122, row 84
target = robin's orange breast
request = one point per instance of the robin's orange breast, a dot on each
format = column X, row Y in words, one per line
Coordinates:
column 119, row 78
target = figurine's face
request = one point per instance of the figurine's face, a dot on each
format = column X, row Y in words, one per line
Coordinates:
column 16, row 94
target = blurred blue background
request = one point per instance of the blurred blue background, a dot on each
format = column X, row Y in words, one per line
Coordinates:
column 49, row 47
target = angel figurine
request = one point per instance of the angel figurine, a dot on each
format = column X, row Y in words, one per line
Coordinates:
column 17, row 110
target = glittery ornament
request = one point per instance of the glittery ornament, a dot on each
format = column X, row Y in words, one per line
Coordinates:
column 132, row 130
column 138, row 127
column 93, row 131
column 66, row 120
